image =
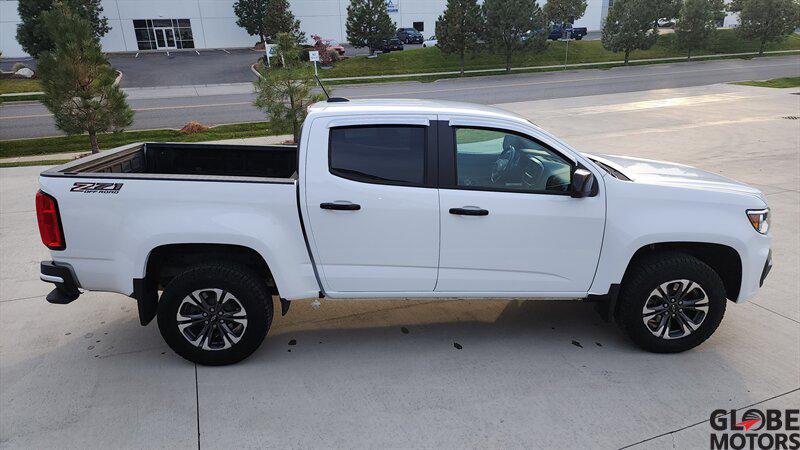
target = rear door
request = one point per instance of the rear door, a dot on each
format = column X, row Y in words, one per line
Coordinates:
column 372, row 203
column 509, row 225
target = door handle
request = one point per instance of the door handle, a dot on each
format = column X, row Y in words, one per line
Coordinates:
column 469, row 211
column 340, row 206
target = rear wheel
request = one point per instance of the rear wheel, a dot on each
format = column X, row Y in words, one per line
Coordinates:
column 671, row 302
column 215, row 314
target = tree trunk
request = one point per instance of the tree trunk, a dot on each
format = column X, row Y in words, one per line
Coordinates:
column 761, row 47
column 93, row 140
column 508, row 60
column 462, row 62
column 689, row 54
column 294, row 121
column 627, row 56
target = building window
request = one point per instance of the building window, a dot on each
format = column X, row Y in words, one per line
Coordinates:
column 155, row 34
column 419, row 26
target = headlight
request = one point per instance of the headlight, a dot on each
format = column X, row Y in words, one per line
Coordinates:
column 759, row 218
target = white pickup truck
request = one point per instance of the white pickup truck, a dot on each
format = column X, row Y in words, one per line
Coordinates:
column 399, row 199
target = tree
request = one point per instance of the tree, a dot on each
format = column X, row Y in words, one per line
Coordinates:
column 267, row 18
column 564, row 11
column 669, row 9
column 766, row 20
column 32, row 32
column 78, row 83
column 251, row 15
column 458, row 29
column 697, row 24
column 513, row 25
column 368, row 23
column 279, row 19
column 630, row 25
column 285, row 93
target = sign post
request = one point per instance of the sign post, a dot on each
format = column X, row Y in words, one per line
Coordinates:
column 268, row 49
column 567, row 37
column 313, row 56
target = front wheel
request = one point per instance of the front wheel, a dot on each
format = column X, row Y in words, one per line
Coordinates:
column 215, row 314
column 670, row 302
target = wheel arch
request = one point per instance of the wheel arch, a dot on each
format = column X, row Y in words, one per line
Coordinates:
column 166, row 261
column 723, row 259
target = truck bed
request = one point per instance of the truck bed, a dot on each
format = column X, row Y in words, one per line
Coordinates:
column 165, row 159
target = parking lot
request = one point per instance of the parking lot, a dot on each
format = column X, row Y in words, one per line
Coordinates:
column 539, row 374
column 149, row 69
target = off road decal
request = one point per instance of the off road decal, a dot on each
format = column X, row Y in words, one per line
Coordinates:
column 91, row 188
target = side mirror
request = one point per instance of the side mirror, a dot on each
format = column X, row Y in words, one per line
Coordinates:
column 582, row 183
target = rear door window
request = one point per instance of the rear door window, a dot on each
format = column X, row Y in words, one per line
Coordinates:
column 384, row 154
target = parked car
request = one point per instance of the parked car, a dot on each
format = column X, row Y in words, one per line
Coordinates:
column 665, row 22
column 430, row 42
column 389, row 45
column 399, row 199
column 409, row 36
column 557, row 32
column 334, row 45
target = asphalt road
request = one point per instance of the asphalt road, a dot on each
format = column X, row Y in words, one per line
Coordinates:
column 159, row 108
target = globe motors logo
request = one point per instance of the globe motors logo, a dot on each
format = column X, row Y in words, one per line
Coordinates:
column 769, row 429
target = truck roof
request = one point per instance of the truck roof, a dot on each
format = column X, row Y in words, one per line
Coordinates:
column 412, row 106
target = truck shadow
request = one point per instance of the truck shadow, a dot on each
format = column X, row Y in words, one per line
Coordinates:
column 434, row 326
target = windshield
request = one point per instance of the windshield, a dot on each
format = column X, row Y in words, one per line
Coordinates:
column 330, row 42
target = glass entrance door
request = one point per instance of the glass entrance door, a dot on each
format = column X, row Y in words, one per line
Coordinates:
column 165, row 38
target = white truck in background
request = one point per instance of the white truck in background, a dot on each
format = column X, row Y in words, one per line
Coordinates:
column 399, row 199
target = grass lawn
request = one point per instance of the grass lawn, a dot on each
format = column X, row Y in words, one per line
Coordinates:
column 80, row 143
column 788, row 82
column 14, row 86
column 432, row 60
column 48, row 162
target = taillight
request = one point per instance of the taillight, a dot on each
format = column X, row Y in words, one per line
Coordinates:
column 49, row 222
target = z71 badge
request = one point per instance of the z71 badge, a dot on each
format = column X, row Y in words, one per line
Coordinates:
column 102, row 188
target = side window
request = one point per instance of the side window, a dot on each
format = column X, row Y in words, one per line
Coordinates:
column 379, row 154
column 497, row 160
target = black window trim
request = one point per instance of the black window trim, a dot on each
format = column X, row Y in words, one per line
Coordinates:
column 430, row 163
column 452, row 165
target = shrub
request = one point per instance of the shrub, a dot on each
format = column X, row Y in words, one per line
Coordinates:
column 334, row 56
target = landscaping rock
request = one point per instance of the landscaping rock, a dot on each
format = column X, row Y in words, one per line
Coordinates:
column 24, row 72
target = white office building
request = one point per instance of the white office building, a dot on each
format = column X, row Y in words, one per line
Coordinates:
column 142, row 25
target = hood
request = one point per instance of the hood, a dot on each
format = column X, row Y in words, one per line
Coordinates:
column 666, row 173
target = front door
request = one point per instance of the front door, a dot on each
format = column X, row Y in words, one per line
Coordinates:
column 372, row 204
column 509, row 225
column 165, row 38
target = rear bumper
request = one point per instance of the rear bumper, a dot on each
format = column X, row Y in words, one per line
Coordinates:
column 66, row 290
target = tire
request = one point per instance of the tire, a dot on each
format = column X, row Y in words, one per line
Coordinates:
column 688, row 287
column 194, row 294
column 579, row 38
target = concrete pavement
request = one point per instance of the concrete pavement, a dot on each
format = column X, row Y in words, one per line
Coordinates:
column 529, row 375
column 219, row 104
